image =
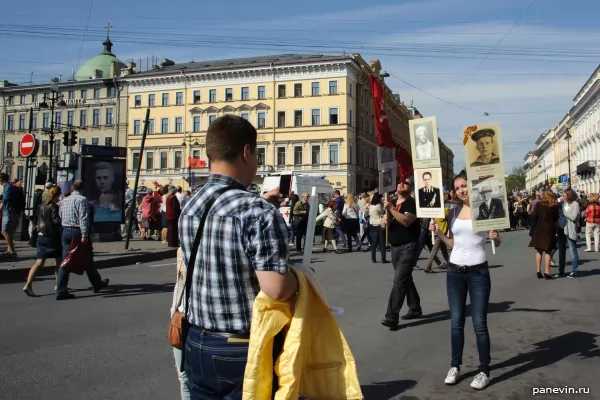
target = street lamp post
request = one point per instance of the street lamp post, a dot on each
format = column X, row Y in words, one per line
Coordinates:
column 568, row 138
column 184, row 144
column 55, row 100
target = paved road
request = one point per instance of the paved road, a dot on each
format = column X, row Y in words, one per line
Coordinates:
column 113, row 345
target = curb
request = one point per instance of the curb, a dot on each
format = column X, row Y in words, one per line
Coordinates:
column 19, row 274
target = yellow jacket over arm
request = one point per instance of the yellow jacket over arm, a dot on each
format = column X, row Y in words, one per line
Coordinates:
column 316, row 361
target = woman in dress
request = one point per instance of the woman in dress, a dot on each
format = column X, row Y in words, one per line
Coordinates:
column 350, row 213
column 571, row 213
column 543, row 240
column 330, row 218
column 468, row 273
column 49, row 236
column 172, row 216
column 376, row 212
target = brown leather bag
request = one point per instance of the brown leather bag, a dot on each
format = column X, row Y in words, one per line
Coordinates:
column 175, row 335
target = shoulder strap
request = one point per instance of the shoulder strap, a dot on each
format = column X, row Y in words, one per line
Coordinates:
column 192, row 261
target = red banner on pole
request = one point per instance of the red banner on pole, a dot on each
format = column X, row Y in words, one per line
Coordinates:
column 196, row 163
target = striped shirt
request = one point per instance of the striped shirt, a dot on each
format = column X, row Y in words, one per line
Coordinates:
column 243, row 233
column 74, row 213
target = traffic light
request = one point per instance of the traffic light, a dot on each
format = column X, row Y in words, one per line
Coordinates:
column 73, row 138
column 66, row 138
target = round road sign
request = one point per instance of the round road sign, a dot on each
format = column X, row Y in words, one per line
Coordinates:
column 29, row 145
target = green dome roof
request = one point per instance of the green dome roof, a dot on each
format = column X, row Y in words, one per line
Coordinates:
column 102, row 62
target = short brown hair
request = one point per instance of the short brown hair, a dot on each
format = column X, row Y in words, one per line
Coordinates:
column 593, row 198
column 570, row 194
column 227, row 137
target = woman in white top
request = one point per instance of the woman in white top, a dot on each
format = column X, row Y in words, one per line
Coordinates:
column 350, row 213
column 163, row 212
column 376, row 212
column 178, row 304
column 329, row 224
column 467, row 273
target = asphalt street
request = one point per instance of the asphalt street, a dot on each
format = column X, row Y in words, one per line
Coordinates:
column 113, row 345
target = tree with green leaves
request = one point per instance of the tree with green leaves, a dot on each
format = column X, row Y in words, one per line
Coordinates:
column 516, row 179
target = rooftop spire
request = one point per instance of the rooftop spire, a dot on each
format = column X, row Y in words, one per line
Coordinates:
column 107, row 43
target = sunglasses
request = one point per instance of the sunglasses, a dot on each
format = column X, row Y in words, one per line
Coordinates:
column 406, row 183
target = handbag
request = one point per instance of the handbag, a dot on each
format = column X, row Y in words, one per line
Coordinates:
column 78, row 256
column 175, row 334
column 181, row 325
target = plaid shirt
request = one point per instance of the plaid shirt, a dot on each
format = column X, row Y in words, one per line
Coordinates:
column 592, row 213
column 74, row 213
column 243, row 233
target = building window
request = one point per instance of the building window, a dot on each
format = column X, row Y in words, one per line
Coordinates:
column 137, row 124
column 196, row 124
column 281, row 119
column 95, row 141
column 10, row 123
column 20, row 172
column 297, row 90
column 34, row 120
column 58, row 119
column 281, row 91
column 350, row 89
column 262, row 156
column 70, row 118
column 196, row 154
column 164, row 125
column 149, row 160
column 82, row 142
column 83, row 118
column 151, row 126
column 108, row 141
column 23, row 99
column 178, row 160
column 315, row 89
column 333, row 116
column 45, row 147
column 9, row 170
column 196, row 96
column 245, row 93
column 10, row 100
column 138, row 101
column 96, row 93
column 22, row 122
column 333, row 87
column 96, row 117
column 45, row 120
column 211, row 118
column 350, row 118
column 109, row 116
column 315, row 117
column 229, row 94
column 151, row 100
column 212, row 95
column 56, row 147
column 135, row 161
column 34, row 98
column 334, row 154
column 297, row 155
column 262, row 93
column 165, row 99
column 164, row 160
column 179, row 98
column 111, row 92
column 315, row 152
column 246, row 116
column 178, row 124
column 83, row 94
column 280, row 156
column 9, row 149
column 298, row 118
column 261, row 120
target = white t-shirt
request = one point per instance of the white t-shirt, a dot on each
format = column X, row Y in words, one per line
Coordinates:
column 163, row 204
column 350, row 212
column 469, row 246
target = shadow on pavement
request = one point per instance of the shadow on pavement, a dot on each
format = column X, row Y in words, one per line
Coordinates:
column 504, row 306
column 591, row 272
column 131, row 290
column 547, row 352
column 386, row 390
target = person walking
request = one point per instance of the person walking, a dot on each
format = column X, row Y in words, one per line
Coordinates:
column 350, row 214
column 300, row 222
column 247, row 253
column 592, row 223
column 571, row 213
column 48, row 243
column 329, row 218
column 13, row 205
column 173, row 211
column 339, row 208
column 74, row 214
column 468, row 273
column 543, row 220
column 150, row 212
column 438, row 244
column 178, row 304
column 403, row 236
column 376, row 213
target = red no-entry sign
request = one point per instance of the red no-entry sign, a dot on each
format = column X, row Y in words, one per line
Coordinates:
column 29, row 145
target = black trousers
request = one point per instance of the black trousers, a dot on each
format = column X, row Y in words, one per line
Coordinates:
column 299, row 233
column 404, row 286
column 378, row 239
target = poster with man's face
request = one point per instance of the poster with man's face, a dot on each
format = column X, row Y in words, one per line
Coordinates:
column 428, row 193
column 104, row 187
column 424, row 143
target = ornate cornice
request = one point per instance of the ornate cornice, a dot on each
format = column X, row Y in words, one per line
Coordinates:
column 200, row 79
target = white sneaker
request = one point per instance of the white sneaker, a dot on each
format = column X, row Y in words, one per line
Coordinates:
column 480, row 381
column 452, row 376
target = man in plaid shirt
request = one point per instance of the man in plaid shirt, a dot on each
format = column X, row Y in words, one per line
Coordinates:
column 243, row 250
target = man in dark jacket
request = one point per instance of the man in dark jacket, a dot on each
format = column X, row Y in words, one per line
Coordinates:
column 13, row 204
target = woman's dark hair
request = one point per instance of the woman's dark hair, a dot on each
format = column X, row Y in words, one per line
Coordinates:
column 461, row 175
column 376, row 198
column 570, row 194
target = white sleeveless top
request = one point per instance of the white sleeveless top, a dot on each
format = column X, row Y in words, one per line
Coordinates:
column 469, row 246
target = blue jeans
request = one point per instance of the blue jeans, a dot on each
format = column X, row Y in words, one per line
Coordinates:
column 574, row 256
column 478, row 285
column 183, row 382
column 63, row 275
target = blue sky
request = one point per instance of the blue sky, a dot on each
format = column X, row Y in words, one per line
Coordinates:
column 520, row 62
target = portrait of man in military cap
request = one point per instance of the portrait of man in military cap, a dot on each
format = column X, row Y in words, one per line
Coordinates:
column 486, row 146
column 488, row 197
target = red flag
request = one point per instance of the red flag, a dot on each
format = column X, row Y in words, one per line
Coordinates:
column 384, row 133
column 196, row 163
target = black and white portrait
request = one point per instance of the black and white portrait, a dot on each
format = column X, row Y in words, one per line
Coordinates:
column 386, row 158
column 488, row 199
column 387, row 180
column 428, row 193
column 424, row 143
column 104, row 187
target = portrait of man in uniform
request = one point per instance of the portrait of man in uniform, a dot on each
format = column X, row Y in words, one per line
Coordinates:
column 429, row 196
column 486, row 147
